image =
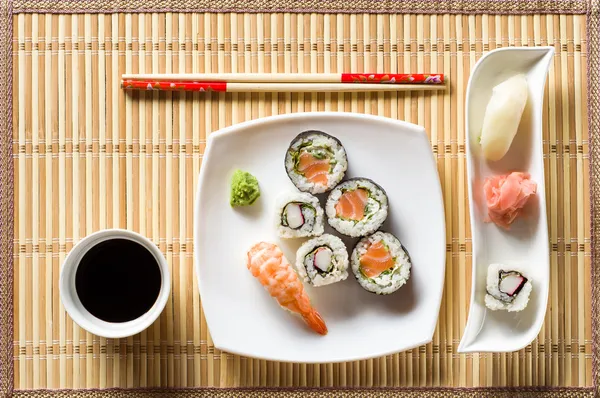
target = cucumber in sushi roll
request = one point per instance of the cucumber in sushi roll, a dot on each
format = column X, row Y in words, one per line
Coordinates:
column 315, row 161
column 507, row 288
column 322, row 260
column 380, row 263
column 298, row 215
column 357, row 207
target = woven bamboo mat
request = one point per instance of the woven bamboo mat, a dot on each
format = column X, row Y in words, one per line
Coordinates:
column 87, row 157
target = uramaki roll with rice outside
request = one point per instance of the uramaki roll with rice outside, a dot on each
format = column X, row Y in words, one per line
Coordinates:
column 322, row 261
column 507, row 288
column 298, row 215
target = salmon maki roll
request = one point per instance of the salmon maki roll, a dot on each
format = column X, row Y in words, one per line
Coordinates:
column 380, row 263
column 357, row 207
column 315, row 162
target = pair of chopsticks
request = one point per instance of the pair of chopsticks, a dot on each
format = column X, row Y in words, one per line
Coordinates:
column 283, row 82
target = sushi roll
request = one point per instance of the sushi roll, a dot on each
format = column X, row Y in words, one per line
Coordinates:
column 322, row 260
column 357, row 207
column 380, row 263
column 507, row 289
column 298, row 215
column 315, row 162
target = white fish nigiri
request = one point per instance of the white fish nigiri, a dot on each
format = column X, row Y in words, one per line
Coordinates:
column 502, row 116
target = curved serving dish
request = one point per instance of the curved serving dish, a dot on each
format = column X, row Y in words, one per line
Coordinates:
column 526, row 243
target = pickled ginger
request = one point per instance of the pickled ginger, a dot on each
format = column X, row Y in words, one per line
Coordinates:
column 506, row 196
column 502, row 117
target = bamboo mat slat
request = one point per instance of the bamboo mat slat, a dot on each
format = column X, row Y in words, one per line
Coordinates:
column 87, row 157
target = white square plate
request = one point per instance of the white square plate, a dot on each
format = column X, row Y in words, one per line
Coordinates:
column 242, row 317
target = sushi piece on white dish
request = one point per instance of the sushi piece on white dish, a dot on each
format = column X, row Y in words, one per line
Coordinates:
column 502, row 116
column 507, row 288
column 322, row 261
column 380, row 263
column 315, row 161
column 357, row 207
column 298, row 215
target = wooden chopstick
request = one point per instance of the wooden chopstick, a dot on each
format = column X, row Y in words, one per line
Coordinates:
column 367, row 78
column 272, row 87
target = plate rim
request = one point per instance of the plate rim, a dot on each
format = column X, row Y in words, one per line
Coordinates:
column 239, row 128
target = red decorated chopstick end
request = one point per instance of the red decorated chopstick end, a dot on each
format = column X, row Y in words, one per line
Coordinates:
column 173, row 86
column 393, row 78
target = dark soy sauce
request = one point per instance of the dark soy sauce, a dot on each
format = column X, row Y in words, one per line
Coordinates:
column 118, row 280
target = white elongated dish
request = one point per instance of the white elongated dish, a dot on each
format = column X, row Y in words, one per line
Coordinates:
column 242, row 317
column 526, row 243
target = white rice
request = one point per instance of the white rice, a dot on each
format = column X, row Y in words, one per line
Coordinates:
column 521, row 299
column 318, row 139
column 304, row 261
column 313, row 221
column 390, row 281
column 377, row 202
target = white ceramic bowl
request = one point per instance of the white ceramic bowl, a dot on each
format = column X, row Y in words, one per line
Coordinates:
column 83, row 317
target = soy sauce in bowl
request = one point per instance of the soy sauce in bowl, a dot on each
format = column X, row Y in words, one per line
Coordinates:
column 118, row 280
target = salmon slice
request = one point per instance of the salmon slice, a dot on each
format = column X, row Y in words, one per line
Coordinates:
column 351, row 205
column 315, row 170
column 376, row 260
column 506, row 196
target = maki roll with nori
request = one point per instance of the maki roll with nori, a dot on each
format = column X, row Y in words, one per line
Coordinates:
column 298, row 215
column 357, row 207
column 322, row 260
column 380, row 263
column 315, row 161
column 507, row 289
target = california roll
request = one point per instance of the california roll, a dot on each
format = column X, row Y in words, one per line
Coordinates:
column 507, row 288
column 322, row 260
column 298, row 215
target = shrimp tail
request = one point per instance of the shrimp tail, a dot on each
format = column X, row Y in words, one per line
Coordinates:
column 316, row 323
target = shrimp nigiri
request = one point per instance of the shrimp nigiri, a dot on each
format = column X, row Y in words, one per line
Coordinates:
column 267, row 263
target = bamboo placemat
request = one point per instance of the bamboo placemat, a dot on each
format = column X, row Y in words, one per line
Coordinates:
column 86, row 156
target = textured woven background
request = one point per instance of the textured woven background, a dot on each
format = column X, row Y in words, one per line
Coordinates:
column 87, row 157
column 327, row 6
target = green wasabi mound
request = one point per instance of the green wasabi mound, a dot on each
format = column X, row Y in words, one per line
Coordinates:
column 244, row 189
